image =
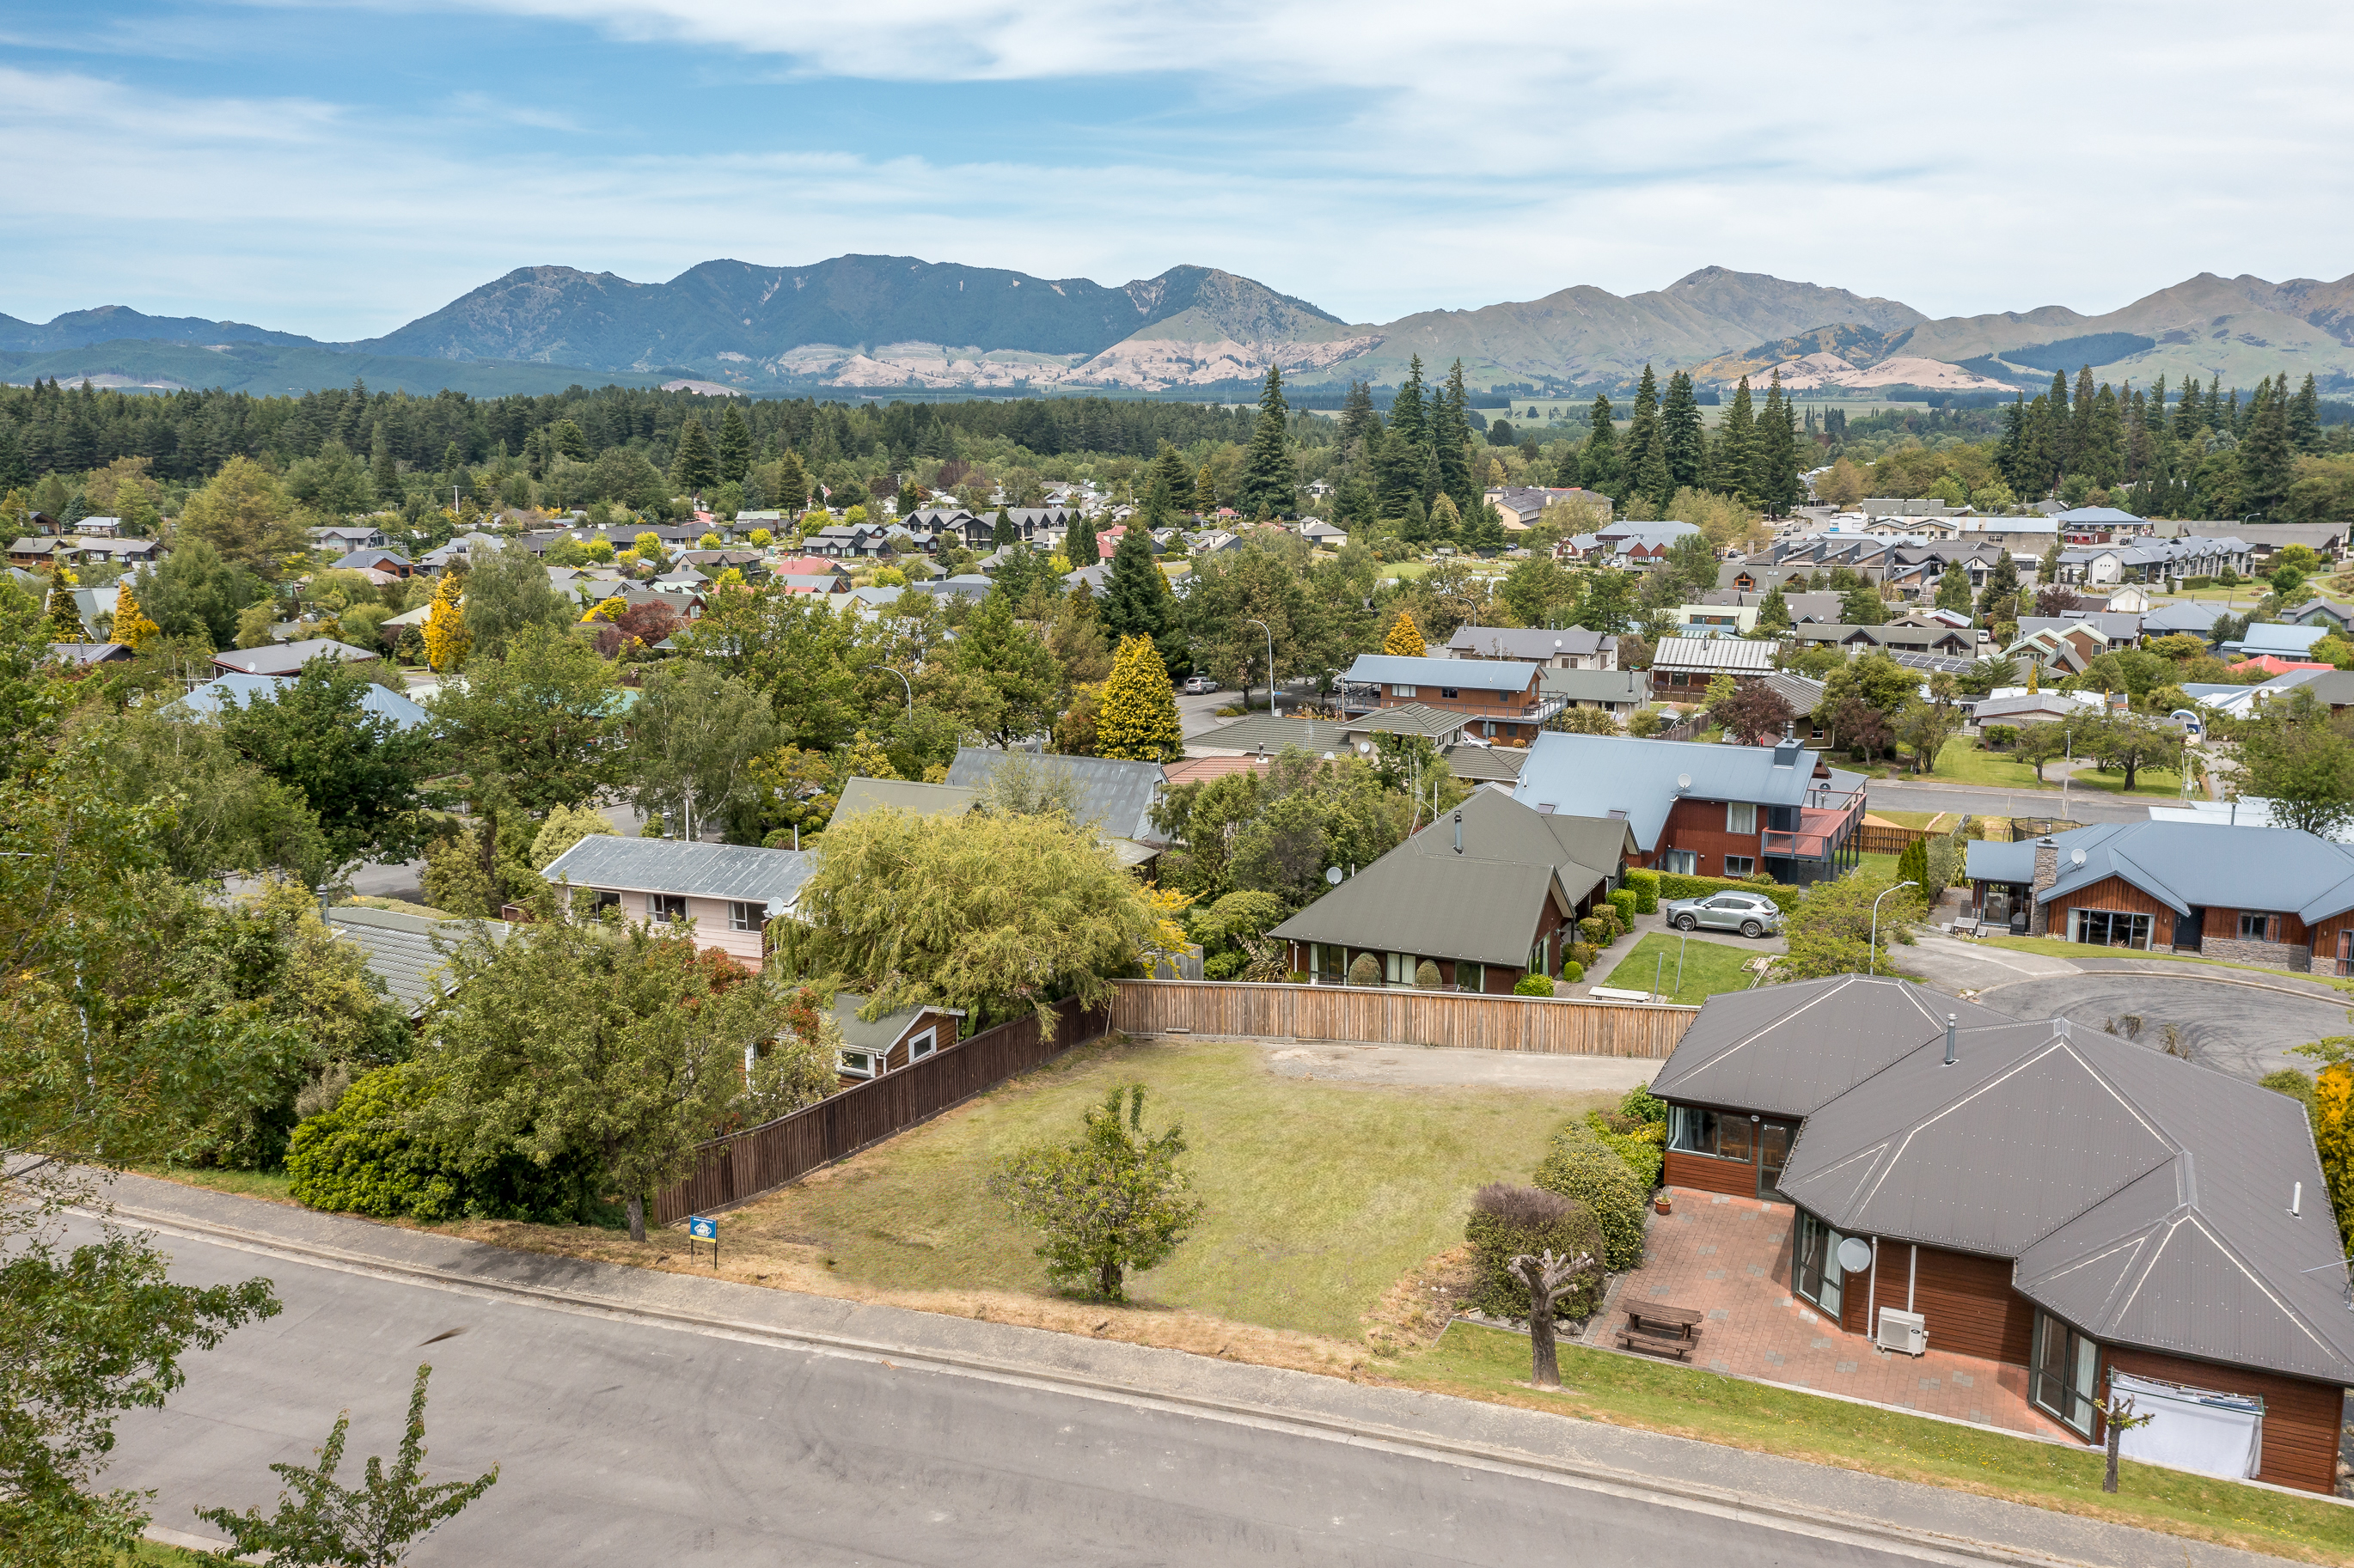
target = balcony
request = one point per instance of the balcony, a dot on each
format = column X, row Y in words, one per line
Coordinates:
column 1827, row 821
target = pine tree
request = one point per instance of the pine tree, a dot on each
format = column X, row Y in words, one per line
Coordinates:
column 735, row 443
column 1205, row 491
column 2141, row 451
column 1397, row 475
column 1445, row 523
column 2103, row 456
column 2084, row 441
column 1080, row 544
column 1736, row 440
column 132, row 626
column 1003, row 533
column 384, row 475
column 1404, row 638
column 446, row 637
column 793, row 485
column 1269, row 487
column 1138, row 719
column 2011, row 446
column 1136, row 599
column 2057, row 428
column 1773, row 464
column 1597, row 464
column 64, row 617
column 1681, row 436
column 2267, row 462
column 1645, row 461
column 1358, row 421
column 1450, row 441
column 692, row 468
column 1774, row 611
column 1954, row 589
column 1170, row 472
column 1408, row 416
column 2304, row 417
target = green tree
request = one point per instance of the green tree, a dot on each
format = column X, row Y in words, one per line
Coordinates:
column 2267, row 458
column 362, row 774
column 1954, row 589
column 1681, row 441
column 1450, row 441
column 1831, row 931
column 1137, row 601
column 505, row 592
column 1646, row 457
column 1112, row 1202
column 1774, row 611
column 1774, row 461
column 538, row 723
column 695, row 735
column 570, row 1038
column 1080, row 544
column 694, row 467
column 1597, row 458
column 322, row 1523
column 196, row 591
column 1863, row 606
column 735, row 449
column 243, row 513
column 1138, row 717
column 1007, row 662
column 2294, row 758
column 1736, row 444
column 1268, row 487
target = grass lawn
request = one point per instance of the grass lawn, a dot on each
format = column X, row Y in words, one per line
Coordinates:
column 2054, row 948
column 272, row 1186
column 1962, row 762
column 1708, row 967
column 155, row 1554
column 1487, row 1363
column 1319, row 1194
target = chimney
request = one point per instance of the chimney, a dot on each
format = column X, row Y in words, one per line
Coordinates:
column 1786, row 750
column 1949, row 1039
column 1458, row 833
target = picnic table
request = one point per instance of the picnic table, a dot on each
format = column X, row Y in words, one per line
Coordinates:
column 1658, row 1329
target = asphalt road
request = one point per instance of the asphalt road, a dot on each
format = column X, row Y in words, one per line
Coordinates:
column 2082, row 805
column 627, row 1444
column 2242, row 1031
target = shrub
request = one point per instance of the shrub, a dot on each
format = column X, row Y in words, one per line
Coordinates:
column 1639, row 1103
column 1580, row 1169
column 1365, row 971
column 1508, row 1221
column 1533, row 985
column 1582, row 954
column 1595, row 930
column 1624, row 902
column 1672, row 885
column 1646, row 886
column 1641, row 1144
column 1224, row 966
column 1426, row 975
column 1572, row 972
column 1998, row 736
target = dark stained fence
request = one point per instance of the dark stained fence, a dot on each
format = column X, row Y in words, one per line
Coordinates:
column 1399, row 1016
column 1888, row 837
column 743, row 1165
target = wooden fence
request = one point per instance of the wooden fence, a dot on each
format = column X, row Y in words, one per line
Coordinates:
column 1380, row 1015
column 743, row 1165
column 1876, row 838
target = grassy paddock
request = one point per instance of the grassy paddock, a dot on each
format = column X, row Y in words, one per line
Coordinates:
column 1709, row 965
column 1628, row 1391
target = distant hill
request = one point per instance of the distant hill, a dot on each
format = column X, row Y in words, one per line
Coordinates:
column 880, row 324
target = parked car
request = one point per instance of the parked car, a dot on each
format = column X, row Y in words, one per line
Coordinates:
column 1198, row 685
column 1751, row 913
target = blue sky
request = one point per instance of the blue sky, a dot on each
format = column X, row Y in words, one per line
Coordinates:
column 338, row 169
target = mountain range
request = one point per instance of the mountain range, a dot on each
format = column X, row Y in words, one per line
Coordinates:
column 880, row 324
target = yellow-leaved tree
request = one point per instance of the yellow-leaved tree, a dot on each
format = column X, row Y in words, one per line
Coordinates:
column 1138, row 718
column 446, row 637
column 1404, row 638
column 132, row 625
column 607, row 609
column 2333, row 1139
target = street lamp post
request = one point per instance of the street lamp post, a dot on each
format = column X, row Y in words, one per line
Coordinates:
column 904, row 682
column 1263, row 625
column 1872, row 965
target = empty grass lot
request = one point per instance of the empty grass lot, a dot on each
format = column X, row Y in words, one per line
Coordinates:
column 1319, row 1194
column 1708, row 967
column 1961, row 761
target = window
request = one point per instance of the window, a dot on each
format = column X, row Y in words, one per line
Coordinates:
column 1398, row 967
column 1329, row 961
column 1681, row 863
column 2060, row 1376
column 1740, row 817
column 607, row 899
column 1540, row 956
column 2256, row 928
column 669, row 906
column 855, row 1063
column 1740, row 866
column 2108, row 927
column 1448, row 692
column 923, row 1045
column 744, row 917
column 1401, row 691
column 1470, row 976
column 1815, row 1271
column 1724, row 1134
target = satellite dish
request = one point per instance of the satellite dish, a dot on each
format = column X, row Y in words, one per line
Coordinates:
column 1364, row 748
column 1683, row 782
column 2076, row 857
column 1332, row 875
column 1855, row 1254
column 776, row 908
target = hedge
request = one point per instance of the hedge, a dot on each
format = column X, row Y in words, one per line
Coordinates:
column 1625, row 902
column 1507, row 1222
column 1583, row 1170
column 1672, row 885
column 1532, row 985
column 1646, row 886
column 1572, row 972
column 1641, row 1144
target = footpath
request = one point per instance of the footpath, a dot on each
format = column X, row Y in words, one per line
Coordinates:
column 1869, row 1511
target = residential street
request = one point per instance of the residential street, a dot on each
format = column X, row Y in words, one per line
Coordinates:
column 2083, row 805
column 638, row 1433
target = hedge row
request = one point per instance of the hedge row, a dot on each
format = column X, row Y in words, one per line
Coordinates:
column 1674, row 887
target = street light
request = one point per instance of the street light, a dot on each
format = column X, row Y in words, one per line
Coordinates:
column 904, row 682
column 1263, row 625
column 1872, row 965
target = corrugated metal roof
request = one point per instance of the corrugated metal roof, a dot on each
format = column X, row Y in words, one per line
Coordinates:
column 288, row 658
column 405, row 952
column 224, row 690
column 1595, row 775
column 2199, row 864
column 1116, row 795
column 1532, row 642
column 1484, row 764
column 744, row 872
column 1595, row 686
column 1998, row 860
column 861, row 796
column 1480, row 675
column 1690, row 652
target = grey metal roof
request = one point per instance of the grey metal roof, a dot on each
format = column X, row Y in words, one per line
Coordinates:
column 1484, row 764
column 401, row 949
column 2117, row 625
column 1595, row 775
column 744, row 872
column 1996, row 860
column 236, row 691
column 1595, row 686
column 288, row 658
column 1480, row 675
column 884, row 1031
column 861, row 796
column 1272, row 733
column 1690, row 652
column 2188, row 864
column 2034, row 706
column 1789, row 1050
column 2144, row 1198
column 1116, row 796
column 1537, row 642
column 1801, row 694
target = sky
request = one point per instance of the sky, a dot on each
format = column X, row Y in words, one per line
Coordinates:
column 340, row 168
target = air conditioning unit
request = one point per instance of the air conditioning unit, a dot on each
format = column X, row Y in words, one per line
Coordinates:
column 1904, row 1331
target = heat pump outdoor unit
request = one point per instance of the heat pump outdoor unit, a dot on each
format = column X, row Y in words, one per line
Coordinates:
column 1905, row 1331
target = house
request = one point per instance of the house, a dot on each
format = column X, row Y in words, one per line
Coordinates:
column 2098, row 524
column 2042, row 1195
column 2195, row 617
column 891, row 1043
column 344, row 537
column 1705, row 809
column 1802, row 606
column 1683, row 667
column 860, row 796
column 2269, row 637
column 1613, row 691
column 408, row 952
column 723, row 893
column 1316, row 532
column 1486, row 895
column 237, row 690
column 1501, row 695
column 1943, row 641
column 1269, row 734
column 287, row 659
column 1522, row 506
column 2266, row 540
column 2066, row 647
column 2338, row 617
column 2248, row 895
column 123, row 552
column 83, row 655
column 1557, row 648
column 44, row 551
column 1718, row 619
column 2130, row 599
column 1114, row 796
column 2036, row 707
column 465, row 547
column 2117, row 631
column 1629, row 543
column 375, row 558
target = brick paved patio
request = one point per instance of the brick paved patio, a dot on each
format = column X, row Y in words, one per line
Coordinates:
column 1730, row 1258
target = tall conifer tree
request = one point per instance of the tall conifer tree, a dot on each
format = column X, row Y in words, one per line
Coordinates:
column 1736, row 437
column 1774, row 468
column 1451, row 439
column 1268, row 486
column 2267, row 462
column 1358, row 421
column 735, row 443
column 1680, row 434
column 1645, row 462
column 1597, row 462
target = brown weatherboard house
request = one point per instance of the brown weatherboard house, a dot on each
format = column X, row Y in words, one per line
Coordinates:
column 2274, row 896
column 2041, row 1194
column 1501, row 697
column 1489, row 894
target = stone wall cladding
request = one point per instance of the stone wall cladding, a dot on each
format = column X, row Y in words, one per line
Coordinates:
column 2270, row 955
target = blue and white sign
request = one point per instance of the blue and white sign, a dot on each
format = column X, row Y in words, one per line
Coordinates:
column 702, row 1229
